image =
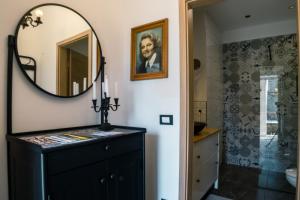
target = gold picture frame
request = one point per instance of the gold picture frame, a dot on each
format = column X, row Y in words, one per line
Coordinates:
column 149, row 51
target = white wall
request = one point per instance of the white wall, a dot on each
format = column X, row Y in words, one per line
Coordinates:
column 208, row 83
column 141, row 101
column 214, row 65
column 200, row 80
column 208, row 80
column 260, row 31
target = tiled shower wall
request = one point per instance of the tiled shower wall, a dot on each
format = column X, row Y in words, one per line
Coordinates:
column 244, row 62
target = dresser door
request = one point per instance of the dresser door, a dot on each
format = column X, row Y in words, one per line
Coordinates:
column 89, row 182
column 126, row 174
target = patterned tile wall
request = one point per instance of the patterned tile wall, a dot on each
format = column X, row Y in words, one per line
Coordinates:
column 244, row 62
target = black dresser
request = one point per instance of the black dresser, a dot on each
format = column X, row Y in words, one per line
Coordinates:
column 78, row 164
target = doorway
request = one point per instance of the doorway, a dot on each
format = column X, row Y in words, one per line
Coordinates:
column 273, row 123
column 74, row 69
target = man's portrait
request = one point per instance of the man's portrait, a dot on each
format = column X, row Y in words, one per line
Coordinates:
column 149, row 51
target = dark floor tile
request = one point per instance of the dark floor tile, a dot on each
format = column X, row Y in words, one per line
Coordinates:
column 262, row 180
column 226, row 189
column 253, row 194
column 264, row 172
column 277, row 181
column 240, row 192
column 249, row 181
column 241, row 183
column 273, row 195
column 222, row 194
column 280, row 184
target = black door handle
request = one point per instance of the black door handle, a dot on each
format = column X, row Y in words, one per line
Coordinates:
column 102, row 180
column 112, row 176
column 107, row 147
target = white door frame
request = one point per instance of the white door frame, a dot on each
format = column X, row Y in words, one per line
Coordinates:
column 186, row 92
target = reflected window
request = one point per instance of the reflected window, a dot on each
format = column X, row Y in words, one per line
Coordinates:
column 268, row 104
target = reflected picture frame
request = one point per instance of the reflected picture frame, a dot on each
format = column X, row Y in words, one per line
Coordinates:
column 149, row 51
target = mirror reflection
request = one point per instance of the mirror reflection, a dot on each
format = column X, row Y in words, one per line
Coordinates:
column 58, row 50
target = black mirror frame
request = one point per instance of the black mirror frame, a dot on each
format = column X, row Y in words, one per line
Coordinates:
column 102, row 62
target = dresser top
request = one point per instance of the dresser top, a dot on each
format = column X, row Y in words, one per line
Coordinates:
column 64, row 138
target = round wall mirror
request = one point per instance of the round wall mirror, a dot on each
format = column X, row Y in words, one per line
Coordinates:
column 58, row 50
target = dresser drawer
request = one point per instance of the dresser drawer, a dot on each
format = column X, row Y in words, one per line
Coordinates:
column 67, row 159
column 204, row 175
column 204, row 149
column 197, row 193
column 209, row 172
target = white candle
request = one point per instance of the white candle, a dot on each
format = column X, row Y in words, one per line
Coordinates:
column 116, row 90
column 74, row 88
column 106, row 85
column 103, row 87
column 84, row 84
column 77, row 88
column 94, row 90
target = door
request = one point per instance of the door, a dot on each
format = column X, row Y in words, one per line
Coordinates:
column 78, row 70
column 88, row 182
column 126, row 174
column 74, row 64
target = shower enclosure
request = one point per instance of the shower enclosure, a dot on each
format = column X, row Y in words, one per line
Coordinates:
column 261, row 107
column 278, row 126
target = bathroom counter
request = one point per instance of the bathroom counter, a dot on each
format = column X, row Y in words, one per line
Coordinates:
column 206, row 132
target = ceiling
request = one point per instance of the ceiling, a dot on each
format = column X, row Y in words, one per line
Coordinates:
column 230, row 14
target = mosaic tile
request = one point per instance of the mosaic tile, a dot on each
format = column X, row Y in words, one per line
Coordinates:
column 244, row 63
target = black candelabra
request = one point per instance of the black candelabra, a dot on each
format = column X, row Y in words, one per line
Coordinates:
column 105, row 106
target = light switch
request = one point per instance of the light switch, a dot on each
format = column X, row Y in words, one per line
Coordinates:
column 166, row 119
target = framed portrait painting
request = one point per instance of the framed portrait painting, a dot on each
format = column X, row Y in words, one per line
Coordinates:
column 149, row 51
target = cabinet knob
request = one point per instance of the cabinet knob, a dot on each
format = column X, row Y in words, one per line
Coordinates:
column 102, row 180
column 198, row 180
column 217, row 144
column 107, row 147
column 198, row 156
column 112, row 176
